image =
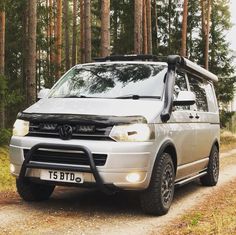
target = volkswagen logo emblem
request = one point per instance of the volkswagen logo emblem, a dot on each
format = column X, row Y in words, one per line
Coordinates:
column 65, row 132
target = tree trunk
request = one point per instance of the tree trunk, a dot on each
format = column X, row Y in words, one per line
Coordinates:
column 82, row 36
column 115, row 28
column 2, row 65
column 169, row 26
column 156, row 23
column 58, row 39
column 203, row 14
column 184, row 30
column 149, row 26
column 87, row 13
column 105, row 28
column 31, row 53
column 51, row 34
column 48, row 45
column 66, row 34
column 74, row 39
column 145, row 43
column 2, row 42
column 207, row 34
column 137, row 26
column 206, row 18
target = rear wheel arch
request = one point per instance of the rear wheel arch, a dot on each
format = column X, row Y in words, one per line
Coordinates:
column 215, row 143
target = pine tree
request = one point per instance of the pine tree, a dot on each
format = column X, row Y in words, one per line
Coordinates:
column 206, row 17
column 66, row 34
column 145, row 39
column 31, row 53
column 155, row 31
column 74, row 35
column 2, row 66
column 105, row 28
column 59, row 39
column 82, row 32
column 137, row 26
column 87, row 30
column 184, row 29
column 149, row 26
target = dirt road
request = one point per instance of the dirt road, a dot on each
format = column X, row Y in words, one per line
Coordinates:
column 77, row 211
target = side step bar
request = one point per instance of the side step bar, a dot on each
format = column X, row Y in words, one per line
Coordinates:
column 92, row 169
column 185, row 181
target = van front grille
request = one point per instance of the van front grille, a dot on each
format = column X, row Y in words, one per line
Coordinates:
column 72, row 158
column 79, row 131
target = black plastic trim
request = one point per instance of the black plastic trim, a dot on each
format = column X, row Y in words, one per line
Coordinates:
column 132, row 57
column 26, row 164
column 80, row 118
column 165, row 145
column 172, row 61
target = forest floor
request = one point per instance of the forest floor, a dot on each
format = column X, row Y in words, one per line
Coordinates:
column 80, row 211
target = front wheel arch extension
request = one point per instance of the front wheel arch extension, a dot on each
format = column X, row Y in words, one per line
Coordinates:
column 168, row 147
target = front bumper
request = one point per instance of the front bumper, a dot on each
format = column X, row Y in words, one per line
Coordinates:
column 122, row 159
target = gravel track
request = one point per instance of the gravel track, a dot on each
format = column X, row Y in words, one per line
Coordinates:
column 80, row 211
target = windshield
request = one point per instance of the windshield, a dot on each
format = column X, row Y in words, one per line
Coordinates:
column 112, row 81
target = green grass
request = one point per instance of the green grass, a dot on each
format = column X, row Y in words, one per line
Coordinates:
column 7, row 181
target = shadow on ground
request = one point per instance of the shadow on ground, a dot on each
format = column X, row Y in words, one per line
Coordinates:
column 76, row 200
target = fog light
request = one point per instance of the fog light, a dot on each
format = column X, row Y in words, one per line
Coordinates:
column 12, row 168
column 133, row 177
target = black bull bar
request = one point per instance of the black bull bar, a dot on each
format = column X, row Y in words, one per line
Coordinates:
column 92, row 169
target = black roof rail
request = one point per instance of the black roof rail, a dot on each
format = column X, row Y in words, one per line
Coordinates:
column 132, row 57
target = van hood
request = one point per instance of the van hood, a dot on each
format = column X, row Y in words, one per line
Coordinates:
column 147, row 108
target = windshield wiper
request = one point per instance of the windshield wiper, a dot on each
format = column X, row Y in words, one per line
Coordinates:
column 136, row 97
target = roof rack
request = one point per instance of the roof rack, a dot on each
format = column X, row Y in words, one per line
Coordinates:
column 132, row 57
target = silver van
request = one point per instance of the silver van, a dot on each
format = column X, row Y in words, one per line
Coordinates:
column 121, row 123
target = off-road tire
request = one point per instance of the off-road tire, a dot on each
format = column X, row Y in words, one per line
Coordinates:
column 211, row 178
column 153, row 200
column 33, row 192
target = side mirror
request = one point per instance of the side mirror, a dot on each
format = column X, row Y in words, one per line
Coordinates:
column 185, row 98
column 43, row 93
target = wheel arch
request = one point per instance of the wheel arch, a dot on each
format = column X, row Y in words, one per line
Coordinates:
column 168, row 147
column 215, row 143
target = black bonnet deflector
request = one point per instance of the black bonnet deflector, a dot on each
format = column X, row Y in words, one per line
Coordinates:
column 80, row 118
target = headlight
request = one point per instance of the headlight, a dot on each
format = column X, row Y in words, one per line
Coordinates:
column 133, row 132
column 20, row 128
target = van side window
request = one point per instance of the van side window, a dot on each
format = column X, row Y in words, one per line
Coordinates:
column 180, row 85
column 198, row 87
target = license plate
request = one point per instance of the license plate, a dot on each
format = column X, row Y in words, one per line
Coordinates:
column 62, row 176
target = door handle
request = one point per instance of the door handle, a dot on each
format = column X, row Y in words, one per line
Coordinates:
column 197, row 116
column 190, row 116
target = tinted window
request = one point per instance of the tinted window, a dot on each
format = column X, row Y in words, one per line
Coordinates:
column 112, row 80
column 198, row 87
column 180, row 85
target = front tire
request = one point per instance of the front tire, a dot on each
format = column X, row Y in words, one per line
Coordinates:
column 158, row 197
column 33, row 192
column 211, row 178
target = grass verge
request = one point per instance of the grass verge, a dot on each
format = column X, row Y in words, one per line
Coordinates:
column 217, row 215
column 7, row 181
column 228, row 141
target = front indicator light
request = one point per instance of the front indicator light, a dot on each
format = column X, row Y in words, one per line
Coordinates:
column 133, row 177
column 20, row 128
column 12, row 168
column 133, row 133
